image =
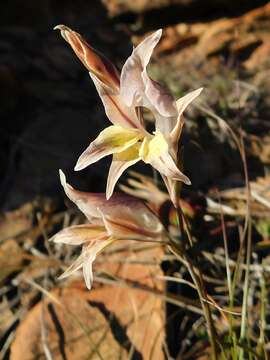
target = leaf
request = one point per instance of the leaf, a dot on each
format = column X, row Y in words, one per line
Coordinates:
column 105, row 323
column 11, row 258
column 16, row 222
column 109, row 322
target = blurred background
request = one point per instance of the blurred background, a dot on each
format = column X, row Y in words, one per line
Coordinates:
column 50, row 111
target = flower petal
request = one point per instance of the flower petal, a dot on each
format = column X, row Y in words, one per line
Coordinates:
column 90, row 252
column 131, row 83
column 155, row 151
column 164, row 124
column 161, row 103
column 126, row 217
column 172, row 187
column 119, row 207
column 121, row 161
column 79, row 234
column 124, row 229
column 117, row 112
column 88, row 203
column 88, row 272
column 160, row 98
column 123, row 214
column 75, row 266
column 181, row 105
column 95, row 62
column 113, row 139
column 86, row 259
column 166, row 166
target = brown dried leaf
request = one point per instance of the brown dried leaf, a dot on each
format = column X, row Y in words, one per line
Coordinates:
column 16, row 222
column 259, row 57
column 243, row 37
column 104, row 323
column 11, row 258
column 7, row 316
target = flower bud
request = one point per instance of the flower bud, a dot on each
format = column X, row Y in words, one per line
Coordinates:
column 94, row 61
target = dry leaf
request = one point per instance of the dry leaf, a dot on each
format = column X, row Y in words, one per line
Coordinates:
column 105, row 323
column 16, row 222
column 11, row 258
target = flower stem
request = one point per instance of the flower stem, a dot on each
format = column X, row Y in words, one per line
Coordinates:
column 197, row 279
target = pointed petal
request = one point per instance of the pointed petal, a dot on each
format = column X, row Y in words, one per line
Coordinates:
column 181, row 105
column 90, row 253
column 86, row 259
column 75, row 266
column 131, row 83
column 137, row 88
column 120, row 163
column 116, row 110
column 155, row 151
column 166, row 166
column 145, row 49
column 88, row 273
column 184, row 101
column 88, row 203
column 113, row 139
column 79, row 234
column 95, row 62
column 171, row 186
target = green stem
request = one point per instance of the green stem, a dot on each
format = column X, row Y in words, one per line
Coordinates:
column 244, row 320
column 198, row 281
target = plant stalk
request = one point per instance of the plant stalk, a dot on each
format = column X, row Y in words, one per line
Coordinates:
column 198, row 281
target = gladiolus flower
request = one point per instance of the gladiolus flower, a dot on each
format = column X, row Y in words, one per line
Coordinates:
column 123, row 99
column 123, row 217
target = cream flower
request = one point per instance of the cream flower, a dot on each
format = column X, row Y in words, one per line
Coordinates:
column 123, row 96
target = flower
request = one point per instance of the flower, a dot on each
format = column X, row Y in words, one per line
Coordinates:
column 123, row 217
column 123, row 96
